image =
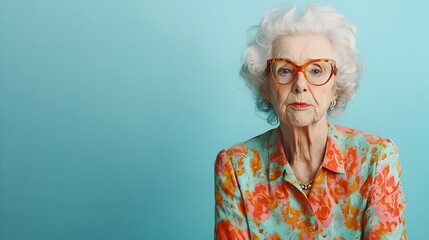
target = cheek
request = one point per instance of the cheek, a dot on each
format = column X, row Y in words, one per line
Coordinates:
column 280, row 94
column 324, row 96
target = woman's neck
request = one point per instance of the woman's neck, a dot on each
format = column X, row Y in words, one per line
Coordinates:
column 305, row 146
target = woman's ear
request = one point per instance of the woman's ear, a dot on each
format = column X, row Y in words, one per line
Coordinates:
column 335, row 95
column 266, row 99
column 264, row 92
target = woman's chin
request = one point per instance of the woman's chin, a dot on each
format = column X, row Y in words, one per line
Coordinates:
column 298, row 121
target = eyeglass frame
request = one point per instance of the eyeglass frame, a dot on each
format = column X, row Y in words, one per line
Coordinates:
column 301, row 68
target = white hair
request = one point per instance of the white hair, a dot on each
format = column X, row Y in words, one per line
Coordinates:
column 316, row 20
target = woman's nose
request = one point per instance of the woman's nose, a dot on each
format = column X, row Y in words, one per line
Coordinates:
column 300, row 84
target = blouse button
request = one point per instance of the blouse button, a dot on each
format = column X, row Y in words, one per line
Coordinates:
column 313, row 228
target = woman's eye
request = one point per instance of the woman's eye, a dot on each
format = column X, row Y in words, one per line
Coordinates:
column 316, row 71
column 285, row 71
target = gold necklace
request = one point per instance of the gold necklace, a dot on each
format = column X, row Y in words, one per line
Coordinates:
column 306, row 186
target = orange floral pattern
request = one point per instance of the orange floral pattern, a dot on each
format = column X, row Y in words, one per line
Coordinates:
column 356, row 194
column 258, row 202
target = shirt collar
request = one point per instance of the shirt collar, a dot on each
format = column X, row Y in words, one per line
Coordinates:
column 333, row 159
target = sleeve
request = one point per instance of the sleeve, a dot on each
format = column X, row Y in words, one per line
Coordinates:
column 230, row 217
column 384, row 215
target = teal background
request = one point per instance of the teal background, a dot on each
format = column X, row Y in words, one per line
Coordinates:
column 112, row 112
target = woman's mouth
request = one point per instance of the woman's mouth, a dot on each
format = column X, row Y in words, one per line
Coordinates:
column 300, row 105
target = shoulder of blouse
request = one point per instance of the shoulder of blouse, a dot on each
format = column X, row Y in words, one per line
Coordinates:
column 370, row 150
column 254, row 148
column 348, row 137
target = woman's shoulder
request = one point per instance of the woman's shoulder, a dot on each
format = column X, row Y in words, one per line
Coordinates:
column 244, row 151
column 369, row 150
column 365, row 154
column 356, row 138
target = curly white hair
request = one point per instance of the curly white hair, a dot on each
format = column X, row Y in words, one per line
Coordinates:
column 317, row 19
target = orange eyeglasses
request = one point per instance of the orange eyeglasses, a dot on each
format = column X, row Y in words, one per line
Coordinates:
column 317, row 71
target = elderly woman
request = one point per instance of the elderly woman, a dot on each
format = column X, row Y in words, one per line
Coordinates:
column 307, row 179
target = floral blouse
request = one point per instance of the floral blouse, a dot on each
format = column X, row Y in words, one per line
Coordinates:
column 356, row 193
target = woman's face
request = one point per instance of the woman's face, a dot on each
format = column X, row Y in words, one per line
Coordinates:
column 298, row 103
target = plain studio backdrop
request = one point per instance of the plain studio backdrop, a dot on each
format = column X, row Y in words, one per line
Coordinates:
column 112, row 111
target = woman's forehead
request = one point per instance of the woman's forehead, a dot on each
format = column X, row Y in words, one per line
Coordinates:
column 300, row 48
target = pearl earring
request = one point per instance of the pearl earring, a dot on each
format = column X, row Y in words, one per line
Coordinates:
column 332, row 105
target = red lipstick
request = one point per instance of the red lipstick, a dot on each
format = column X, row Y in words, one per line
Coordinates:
column 300, row 105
